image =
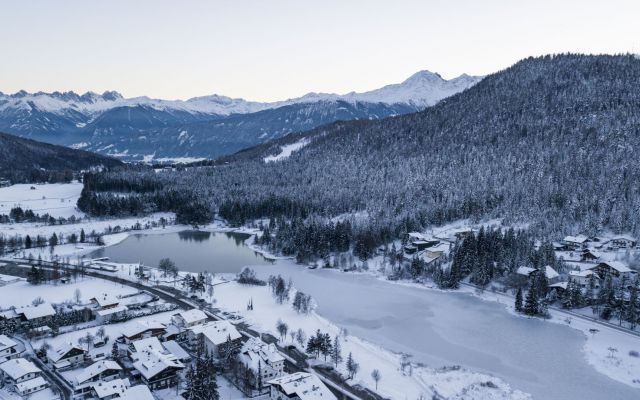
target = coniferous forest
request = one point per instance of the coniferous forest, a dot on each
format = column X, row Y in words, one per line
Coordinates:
column 551, row 142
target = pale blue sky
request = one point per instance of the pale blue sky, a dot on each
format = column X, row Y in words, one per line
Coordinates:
column 271, row 50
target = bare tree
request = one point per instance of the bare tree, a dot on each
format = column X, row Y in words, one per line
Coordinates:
column 375, row 374
column 282, row 328
column 77, row 296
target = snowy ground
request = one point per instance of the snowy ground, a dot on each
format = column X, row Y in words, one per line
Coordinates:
column 56, row 199
column 287, row 150
column 233, row 297
column 22, row 293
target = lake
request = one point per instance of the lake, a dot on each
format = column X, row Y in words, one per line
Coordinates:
column 437, row 328
column 191, row 251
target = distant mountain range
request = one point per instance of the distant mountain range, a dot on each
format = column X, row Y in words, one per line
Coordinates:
column 26, row 160
column 142, row 128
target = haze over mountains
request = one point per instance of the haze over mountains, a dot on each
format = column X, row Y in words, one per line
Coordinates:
column 209, row 126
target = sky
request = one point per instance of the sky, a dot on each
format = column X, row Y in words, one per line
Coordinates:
column 278, row 49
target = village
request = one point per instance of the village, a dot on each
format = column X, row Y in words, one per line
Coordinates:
column 585, row 265
column 132, row 344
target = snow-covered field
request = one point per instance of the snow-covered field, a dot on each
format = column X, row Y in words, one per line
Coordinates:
column 55, row 199
column 22, row 293
column 287, row 150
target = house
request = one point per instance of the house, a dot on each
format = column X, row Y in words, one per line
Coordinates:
column 142, row 329
column 106, row 315
column 428, row 260
column 66, row 355
column 552, row 275
column 109, row 390
column 26, row 388
column 150, row 343
column 575, row 242
column 8, row 279
column 410, row 249
column 8, row 348
column 622, row 242
column 23, row 376
column 214, row 334
column 36, row 315
column 257, row 355
column 18, row 370
column 157, row 370
column 105, row 301
column 583, row 277
column 299, row 386
column 589, row 255
column 174, row 348
column 100, row 371
column 525, row 271
column 438, row 250
column 140, row 392
column 616, row 269
column 559, row 287
column 189, row 318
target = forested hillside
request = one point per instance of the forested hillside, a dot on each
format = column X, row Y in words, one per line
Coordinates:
column 551, row 141
column 25, row 160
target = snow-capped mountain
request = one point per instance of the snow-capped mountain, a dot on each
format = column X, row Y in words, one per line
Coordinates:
column 142, row 126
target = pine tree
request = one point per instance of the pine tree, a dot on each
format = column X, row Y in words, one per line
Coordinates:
column 518, row 303
column 336, row 351
column 531, row 301
column 352, row 366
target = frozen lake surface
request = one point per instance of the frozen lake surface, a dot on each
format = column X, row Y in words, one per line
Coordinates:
column 437, row 328
column 191, row 251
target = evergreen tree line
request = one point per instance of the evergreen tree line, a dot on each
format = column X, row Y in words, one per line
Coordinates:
column 493, row 253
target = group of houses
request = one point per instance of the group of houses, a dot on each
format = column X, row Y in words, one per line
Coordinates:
column 431, row 248
column 22, row 377
column 149, row 356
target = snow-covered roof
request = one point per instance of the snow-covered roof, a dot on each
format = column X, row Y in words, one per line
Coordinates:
column 217, row 332
column 6, row 342
column 304, row 385
column 31, row 384
column 152, row 362
column 96, row 369
column 8, row 279
column 140, row 392
column 112, row 310
column 40, row 311
column 617, row 265
column 576, row 239
column 174, row 348
column 526, row 271
column 416, row 235
column 111, row 388
column 60, row 353
column 550, row 272
column 192, row 316
column 106, row 299
column 9, row 314
column 440, row 247
column 255, row 350
column 562, row 285
column 151, row 343
column 139, row 327
column 18, row 367
column 583, row 273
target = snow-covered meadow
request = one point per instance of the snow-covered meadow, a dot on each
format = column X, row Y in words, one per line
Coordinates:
column 55, row 199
